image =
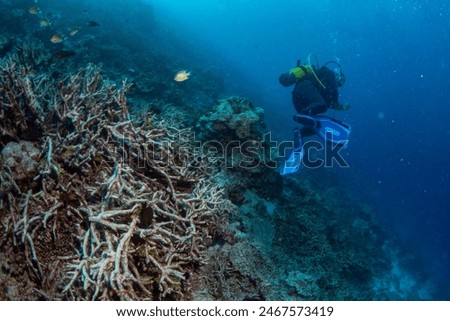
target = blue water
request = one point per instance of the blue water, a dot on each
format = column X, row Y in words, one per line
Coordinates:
column 395, row 55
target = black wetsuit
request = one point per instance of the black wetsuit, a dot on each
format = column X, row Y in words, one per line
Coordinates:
column 309, row 96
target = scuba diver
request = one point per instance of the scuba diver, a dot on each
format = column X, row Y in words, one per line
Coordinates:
column 315, row 91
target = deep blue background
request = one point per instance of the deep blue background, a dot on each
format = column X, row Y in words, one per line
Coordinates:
column 396, row 58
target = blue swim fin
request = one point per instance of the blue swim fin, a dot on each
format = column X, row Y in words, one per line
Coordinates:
column 292, row 163
column 333, row 130
column 330, row 129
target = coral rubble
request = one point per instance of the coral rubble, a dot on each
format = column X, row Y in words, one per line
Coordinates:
column 98, row 205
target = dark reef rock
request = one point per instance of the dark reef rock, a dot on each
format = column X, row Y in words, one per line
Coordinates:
column 233, row 119
column 234, row 132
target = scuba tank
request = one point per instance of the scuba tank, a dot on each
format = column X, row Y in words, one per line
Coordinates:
column 295, row 74
column 301, row 71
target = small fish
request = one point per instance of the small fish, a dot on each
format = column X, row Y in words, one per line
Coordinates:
column 43, row 22
column 182, row 75
column 56, row 38
column 62, row 54
column 34, row 10
column 92, row 24
column 74, row 31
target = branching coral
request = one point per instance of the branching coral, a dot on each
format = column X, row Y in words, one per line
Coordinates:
column 24, row 99
column 117, row 208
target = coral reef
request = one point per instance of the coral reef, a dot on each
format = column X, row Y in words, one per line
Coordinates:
column 98, row 205
column 25, row 96
column 231, row 274
column 105, row 195
column 233, row 119
column 21, row 159
column 233, row 131
column 308, row 244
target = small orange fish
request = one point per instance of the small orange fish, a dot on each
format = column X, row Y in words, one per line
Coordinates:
column 182, row 75
column 56, row 38
column 34, row 10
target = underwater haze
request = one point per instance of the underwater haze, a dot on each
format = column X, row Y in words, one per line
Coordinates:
column 396, row 57
column 395, row 193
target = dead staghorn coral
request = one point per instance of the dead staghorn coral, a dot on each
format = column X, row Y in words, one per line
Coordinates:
column 23, row 99
column 113, row 208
